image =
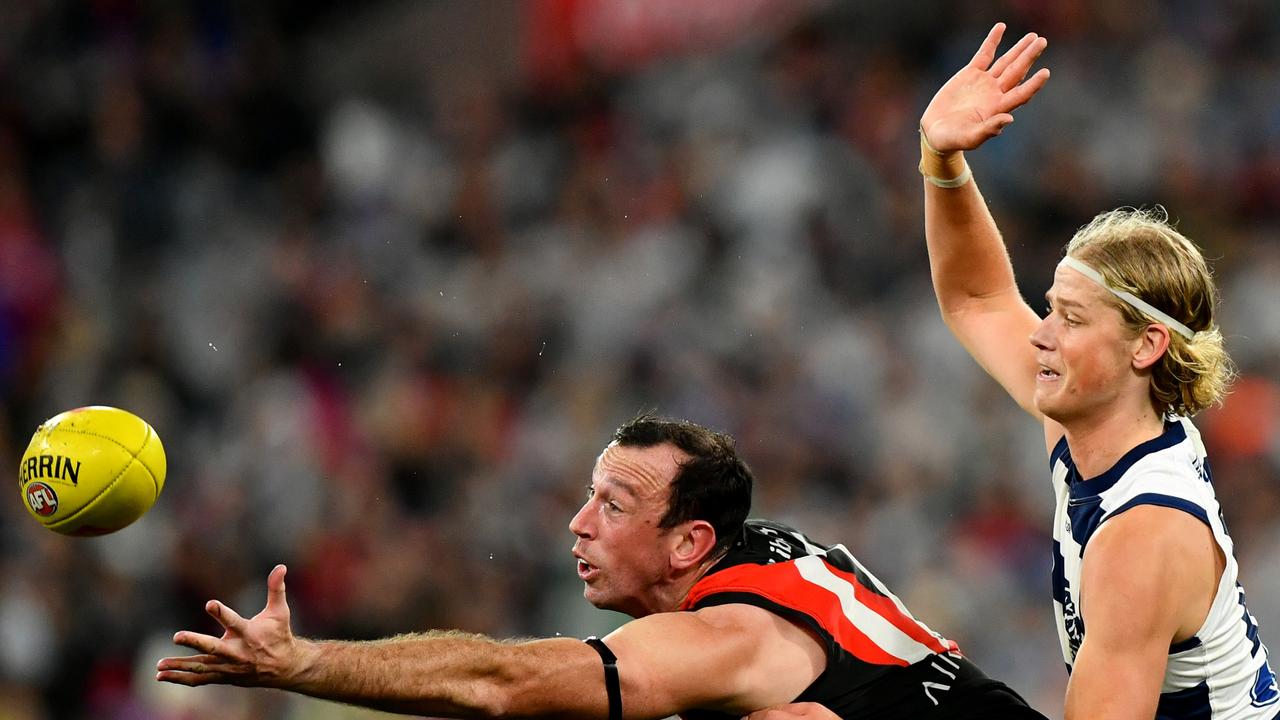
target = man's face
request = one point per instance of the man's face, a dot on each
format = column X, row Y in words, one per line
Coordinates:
column 623, row 556
column 1084, row 351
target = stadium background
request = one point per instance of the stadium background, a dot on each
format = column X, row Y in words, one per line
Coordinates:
column 384, row 279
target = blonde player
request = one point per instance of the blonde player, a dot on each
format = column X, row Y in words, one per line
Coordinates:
column 1151, row 617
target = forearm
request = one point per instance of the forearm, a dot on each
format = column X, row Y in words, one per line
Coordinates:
column 967, row 256
column 448, row 675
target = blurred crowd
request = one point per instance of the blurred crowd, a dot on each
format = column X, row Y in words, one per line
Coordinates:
column 385, row 279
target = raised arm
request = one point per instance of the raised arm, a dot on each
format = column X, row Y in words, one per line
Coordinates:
column 972, row 275
column 730, row 658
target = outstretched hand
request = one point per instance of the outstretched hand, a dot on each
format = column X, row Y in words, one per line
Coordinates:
column 976, row 104
column 794, row 711
column 260, row 651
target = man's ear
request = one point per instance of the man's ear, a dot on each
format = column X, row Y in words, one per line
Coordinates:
column 1154, row 343
column 694, row 541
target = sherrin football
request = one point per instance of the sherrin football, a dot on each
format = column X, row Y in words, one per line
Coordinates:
column 91, row 471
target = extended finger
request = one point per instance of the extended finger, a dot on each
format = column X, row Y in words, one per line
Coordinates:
column 225, row 616
column 199, row 642
column 188, row 679
column 194, row 664
column 1021, row 64
column 174, row 663
column 1019, row 96
column 987, row 51
column 1009, row 55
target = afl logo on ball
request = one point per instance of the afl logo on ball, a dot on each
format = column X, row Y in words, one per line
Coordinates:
column 42, row 499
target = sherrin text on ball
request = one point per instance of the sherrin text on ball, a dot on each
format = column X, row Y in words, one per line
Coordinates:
column 91, row 471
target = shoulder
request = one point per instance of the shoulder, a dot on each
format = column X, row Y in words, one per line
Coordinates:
column 1146, row 533
column 760, row 630
column 727, row 658
column 1142, row 568
column 750, row 619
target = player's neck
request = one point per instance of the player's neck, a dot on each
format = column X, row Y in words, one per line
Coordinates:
column 670, row 595
column 1097, row 443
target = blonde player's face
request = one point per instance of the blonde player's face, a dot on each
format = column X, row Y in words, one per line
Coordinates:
column 1083, row 349
column 623, row 556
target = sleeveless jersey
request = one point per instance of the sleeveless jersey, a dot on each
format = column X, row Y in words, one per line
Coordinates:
column 881, row 661
column 1222, row 671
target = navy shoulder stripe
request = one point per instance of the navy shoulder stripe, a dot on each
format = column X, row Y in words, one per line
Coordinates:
column 1169, row 501
column 1059, row 450
column 1189, row 704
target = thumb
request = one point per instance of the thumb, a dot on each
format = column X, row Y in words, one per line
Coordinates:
column 275, row 589
column 996, row 124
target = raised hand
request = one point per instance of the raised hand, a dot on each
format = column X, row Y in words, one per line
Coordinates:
column 260, row 651
column 976, row 103
column 795, row 711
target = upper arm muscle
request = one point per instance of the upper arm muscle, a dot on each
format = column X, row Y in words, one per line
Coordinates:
column 731, row 658
column 1147, row 576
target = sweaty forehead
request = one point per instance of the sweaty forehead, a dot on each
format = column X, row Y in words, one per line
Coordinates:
column 646, row 471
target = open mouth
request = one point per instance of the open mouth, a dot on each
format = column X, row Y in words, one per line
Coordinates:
column 586, row 570
column 1047, row 374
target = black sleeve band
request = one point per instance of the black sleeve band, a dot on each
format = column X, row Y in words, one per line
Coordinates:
column 610, row 676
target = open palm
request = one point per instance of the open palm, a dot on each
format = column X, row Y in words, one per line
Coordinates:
column 976, row 103
column 260, row 651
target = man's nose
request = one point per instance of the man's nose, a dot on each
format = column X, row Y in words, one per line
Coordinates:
column 579, row 524
column 1041, row 337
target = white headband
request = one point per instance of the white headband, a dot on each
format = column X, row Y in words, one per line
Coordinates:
column 1141, row 305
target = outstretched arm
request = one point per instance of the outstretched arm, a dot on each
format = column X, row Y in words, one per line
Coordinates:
column 731, row 658
column 972, row 275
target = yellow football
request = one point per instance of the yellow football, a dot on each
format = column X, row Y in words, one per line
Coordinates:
column 91, row 471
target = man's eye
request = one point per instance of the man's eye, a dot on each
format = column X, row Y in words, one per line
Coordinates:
column 591, row 492
column 614, row 506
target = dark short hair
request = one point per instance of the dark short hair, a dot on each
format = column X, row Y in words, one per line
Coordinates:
column 714, row 484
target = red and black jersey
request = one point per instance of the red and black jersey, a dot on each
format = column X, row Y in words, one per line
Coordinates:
column 881, row 661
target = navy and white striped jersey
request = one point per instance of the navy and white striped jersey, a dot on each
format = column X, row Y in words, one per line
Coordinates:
column 1222, row 671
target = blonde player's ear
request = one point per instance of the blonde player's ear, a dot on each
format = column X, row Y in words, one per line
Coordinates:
column 1154, row 342
column 694, row 541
